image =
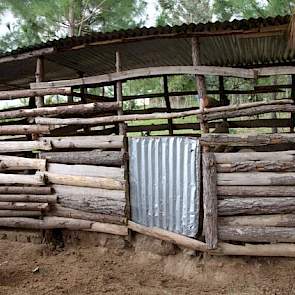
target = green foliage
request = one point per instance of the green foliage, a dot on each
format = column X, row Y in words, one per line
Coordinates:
column 40, row 20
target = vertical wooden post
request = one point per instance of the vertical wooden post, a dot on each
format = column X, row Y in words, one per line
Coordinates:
column 123, row 131
column 39, row 75
column 210, row 199
column 119, row 93
column 168, row 105
column 274, row 97
column 200, row 80
column 293, row 97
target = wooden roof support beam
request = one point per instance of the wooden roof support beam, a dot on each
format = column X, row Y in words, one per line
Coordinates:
column 167, row 101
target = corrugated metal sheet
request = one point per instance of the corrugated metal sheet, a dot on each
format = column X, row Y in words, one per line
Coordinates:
column 165, row 183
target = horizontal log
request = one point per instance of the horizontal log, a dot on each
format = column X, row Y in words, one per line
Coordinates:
column 226, row 158
column 36, row 179
column 257, row 234
column 35, row 190
column 98, row 182
column 255, row 191
column 92, row 200
column 13, row 94
column 283, row 250
column 94, row 157
column 249, row 111
column 29, row 198
column 46, row 223
column 58, row 210
column 286, row 220
column 86, row 170
column 20, row 163
column 19, row 213
column 257, row 166
column 95, row 142
column 95, row 107
column 269, row 205
column 147, row 72
column 247, row 139
column 23, row 206
column 24, row 146
column 283, row 105
column 114, row 229
column 24, row 129
column 171, row 237
column 256, row 178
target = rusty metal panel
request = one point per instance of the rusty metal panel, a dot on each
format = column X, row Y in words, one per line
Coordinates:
column 165, row 183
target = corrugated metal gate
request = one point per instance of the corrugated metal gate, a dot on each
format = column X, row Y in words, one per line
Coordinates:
column 165, row 183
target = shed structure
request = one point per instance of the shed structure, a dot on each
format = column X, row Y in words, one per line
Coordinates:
column 64, row 156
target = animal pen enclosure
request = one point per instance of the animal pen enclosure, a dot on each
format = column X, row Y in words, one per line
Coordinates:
column 197, row 182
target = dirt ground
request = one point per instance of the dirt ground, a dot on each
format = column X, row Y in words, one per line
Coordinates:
column 149, row 267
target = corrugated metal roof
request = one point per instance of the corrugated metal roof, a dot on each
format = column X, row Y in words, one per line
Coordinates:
column 233, row 43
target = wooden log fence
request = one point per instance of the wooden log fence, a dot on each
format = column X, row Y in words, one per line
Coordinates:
column 21, row 163
column 35, row 190
column 29, row 198
column 36, row 179
column 24, row 206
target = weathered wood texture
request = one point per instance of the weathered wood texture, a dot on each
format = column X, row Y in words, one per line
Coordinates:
column 35, row 190
column 247, row 139
column 281, row 220
column 58, row 210
column 77, row 109
column 94, row 157
column 94, row 142
column 228, row 158
column 93, row 200
column 268, row 205
column 261, row 166
column 28, row 198
column 257, row 234
column 256, row 178
column 210, row 200
column 23, row 146
column 23, row 206
column 255, row 191
column 86, row 170
column 171, row 237
column 278, row 249
column 24, row 129
column 85, row 181
column 21, row 163
column 13, row 94
column 36, row 179
column 19, row 213
column 107, row 228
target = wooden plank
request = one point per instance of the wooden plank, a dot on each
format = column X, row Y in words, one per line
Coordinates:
column 210, row 200
column 262, row 205
column 257, row 166
column 85, row 181
column 24, row 146
column 60, row 211
column 86, row 170
column 107, row 228
column 171, row 237
column 45, row 190
column 255, row 191
column 94, row 157
column 147, row 72
column 285, row 220
column 95, row 142
column 92, row 200
column 96, row 107
column 227, row 158
column 21, row 163
column 29, row 198
column 256, row 178
column 23, row 206
column 246, row 139
column 15, row 94
column 36, row 179
column 257, row 234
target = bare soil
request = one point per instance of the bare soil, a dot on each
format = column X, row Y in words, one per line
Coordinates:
column 27, row 268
